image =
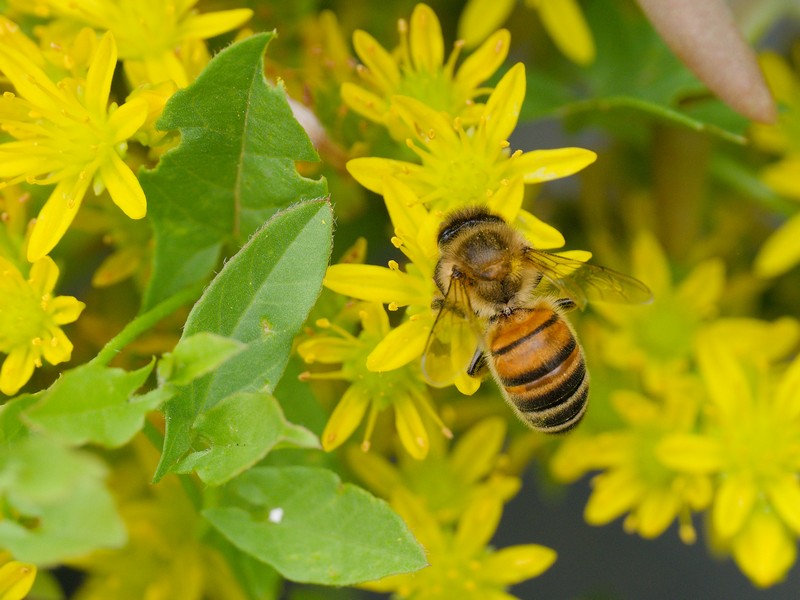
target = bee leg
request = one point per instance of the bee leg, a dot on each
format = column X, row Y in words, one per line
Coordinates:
column 477, row 366
column 565, row 304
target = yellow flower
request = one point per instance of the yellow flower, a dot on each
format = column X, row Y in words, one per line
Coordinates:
column 464, row 166
column 562, row 19
column 634, row 479
column 401, row 389
column 416, row 230
column 658, row 338
column 66, row 134
column 30, row 319
column 751, row 446
column 417, row 70
column 157, row 39
column 447, row 481
column 16, row 578
column 782, row 250
column 461, row 564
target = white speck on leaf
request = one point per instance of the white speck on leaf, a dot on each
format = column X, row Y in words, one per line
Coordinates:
column 276, row 515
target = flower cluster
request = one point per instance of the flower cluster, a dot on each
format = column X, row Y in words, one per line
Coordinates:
column 712, row 426
column 463, row 159
column 66, row 132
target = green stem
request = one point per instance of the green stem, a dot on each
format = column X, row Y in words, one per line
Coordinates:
column 142, row 323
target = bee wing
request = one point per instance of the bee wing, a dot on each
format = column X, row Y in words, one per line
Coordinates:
column 583, row 282
column 453, row 338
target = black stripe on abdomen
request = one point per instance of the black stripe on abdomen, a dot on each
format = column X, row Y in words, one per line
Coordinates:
column 554, row 318
column 555, row 361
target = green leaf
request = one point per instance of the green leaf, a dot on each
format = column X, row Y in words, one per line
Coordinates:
column 94, row 404
column 195, row 356
column 313, row 528
column 234, row 168
column 59, row 505
column 634, row 75
column 12, row 428
column 261, row 298
column 258, row 580
column 240, row 430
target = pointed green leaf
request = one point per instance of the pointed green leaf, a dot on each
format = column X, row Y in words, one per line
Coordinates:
column 234, row 167
column 239, row 431
column 95, row 404
column 261, row 298
column 313, row 528
column 195, row 356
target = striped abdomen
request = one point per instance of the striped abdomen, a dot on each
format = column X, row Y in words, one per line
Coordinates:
column 539, row 364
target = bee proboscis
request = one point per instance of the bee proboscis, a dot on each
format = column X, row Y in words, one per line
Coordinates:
column 508, row 299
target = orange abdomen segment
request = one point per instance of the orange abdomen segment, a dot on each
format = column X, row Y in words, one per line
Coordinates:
column 540, row 365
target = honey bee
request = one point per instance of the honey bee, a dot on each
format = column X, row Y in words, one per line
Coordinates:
column 499, row 293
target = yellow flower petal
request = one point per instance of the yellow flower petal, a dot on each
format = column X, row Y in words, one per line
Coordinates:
column 31, row 82
column 345, row 417
column 431, row 126
column 764, row 550
column 689, row 453
column 477, row 524
column 507, row 199
column 502, row 109
column 419, row 520
column 207, row 25
column 365, row 103
column 100, row 74
column 545, row 165
column 615, row 492
column 328, row 350
column 787, row 396
column 16, row 580
column 782, row 177
column 377, row 473
column 17, row 370
column 382, row 67
column 784, row 494
column 725, row 379
column 540, row 234
column 476, row 451
column 565, row 23
column 376, row 284
column 56, row 216
column 425, row 37
column 781, row 251
column 782, row 81
column 656, row 511
column 404, row 208
column 123, row 187
column 43, row 276
column 482, row 64
column 400, row 346
column 371, row 171
column 467, row 385
column 734, row 501
column 56, row 347
column 126, row 120
column 701, row 290
column 650, row 264
column 480, row 17
column 517, row 563
column 410, row 428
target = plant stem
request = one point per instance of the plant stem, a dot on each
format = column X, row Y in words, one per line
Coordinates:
column 142, row 323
